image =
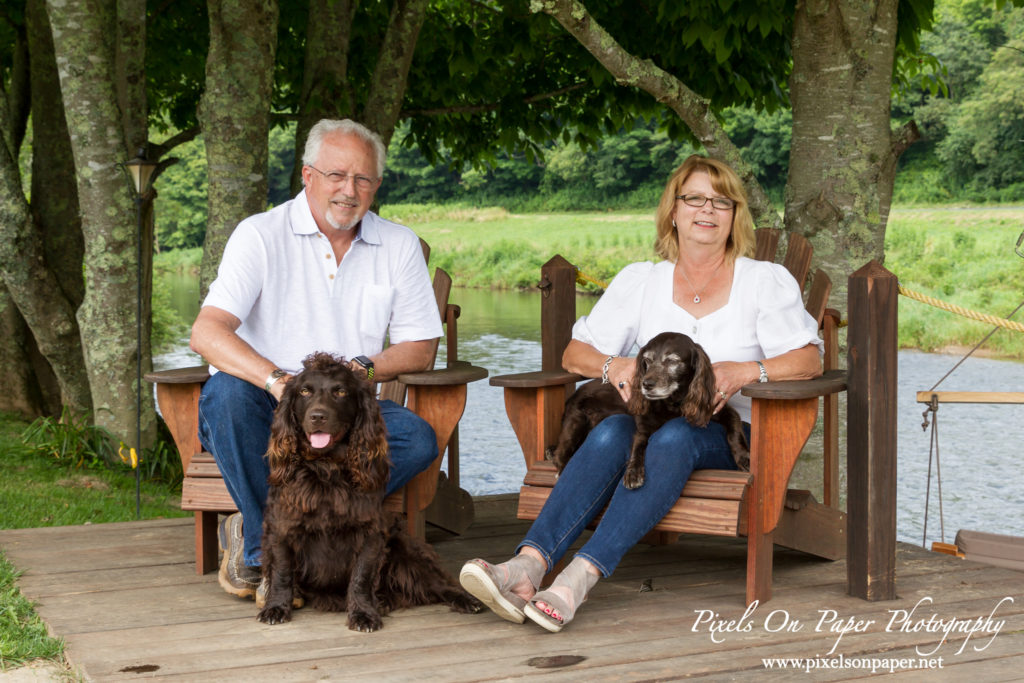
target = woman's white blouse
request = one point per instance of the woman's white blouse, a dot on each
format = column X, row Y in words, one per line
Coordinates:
column 764, row 317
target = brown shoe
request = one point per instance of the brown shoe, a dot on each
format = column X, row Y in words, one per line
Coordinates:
column 234, row 576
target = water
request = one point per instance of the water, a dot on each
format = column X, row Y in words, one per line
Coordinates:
column 500, row 331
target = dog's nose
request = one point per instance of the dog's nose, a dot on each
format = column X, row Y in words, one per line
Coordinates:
column 317, row 416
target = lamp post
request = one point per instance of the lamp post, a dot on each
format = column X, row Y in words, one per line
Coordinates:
column 141, row 171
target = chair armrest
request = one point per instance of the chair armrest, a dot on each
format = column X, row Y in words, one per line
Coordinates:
column 460, row 373
column 535, row 380
column 831, row 382
column 197, row 373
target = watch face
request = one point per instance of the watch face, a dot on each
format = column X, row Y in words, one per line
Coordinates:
column 364, row 361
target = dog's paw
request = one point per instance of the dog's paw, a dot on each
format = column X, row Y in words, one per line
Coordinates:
column 634, row 478
column 275, row 614
column 465, row 603
column 365, row 622
column 743, row 461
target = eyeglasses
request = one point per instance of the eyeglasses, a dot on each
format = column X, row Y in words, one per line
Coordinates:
column 699, row 200
column 362, row 182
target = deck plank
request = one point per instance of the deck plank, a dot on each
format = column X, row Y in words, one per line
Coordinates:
column 126, row 599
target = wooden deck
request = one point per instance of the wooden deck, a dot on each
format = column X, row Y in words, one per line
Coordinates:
column 126, row 599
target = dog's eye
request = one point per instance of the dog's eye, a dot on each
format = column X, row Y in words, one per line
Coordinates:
column 340, row 393
column 305, row 391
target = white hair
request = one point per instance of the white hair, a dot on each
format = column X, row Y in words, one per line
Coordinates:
column 324, row 127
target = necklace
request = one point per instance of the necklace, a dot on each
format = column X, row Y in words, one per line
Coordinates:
column 696, row 292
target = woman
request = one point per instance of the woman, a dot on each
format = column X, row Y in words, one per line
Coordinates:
column 749, row 317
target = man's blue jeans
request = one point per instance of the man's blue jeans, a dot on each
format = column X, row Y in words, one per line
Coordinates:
column 593, row 479
column 234, row 425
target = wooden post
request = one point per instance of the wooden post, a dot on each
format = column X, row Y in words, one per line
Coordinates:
column 557, row 310
column 871, row 434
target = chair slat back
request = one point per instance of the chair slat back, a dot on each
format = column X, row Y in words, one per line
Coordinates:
column 395, row 390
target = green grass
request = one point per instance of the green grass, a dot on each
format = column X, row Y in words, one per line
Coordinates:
column 962, row 256
column 38, row 489
column 493, row 248
column 23, row 635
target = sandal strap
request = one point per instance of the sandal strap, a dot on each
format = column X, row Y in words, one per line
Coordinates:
column 578, row 579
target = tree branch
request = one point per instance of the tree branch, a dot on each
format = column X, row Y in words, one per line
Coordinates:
column 694, row 110
column 178, row 139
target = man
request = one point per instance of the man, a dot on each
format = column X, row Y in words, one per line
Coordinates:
column 318, row 273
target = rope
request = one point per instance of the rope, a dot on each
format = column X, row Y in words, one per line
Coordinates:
column 958, row 310
column 583, row 279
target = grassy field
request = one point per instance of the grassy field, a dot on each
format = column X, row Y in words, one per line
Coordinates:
column 963, row 256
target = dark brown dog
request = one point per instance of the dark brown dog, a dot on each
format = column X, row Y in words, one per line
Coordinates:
column 326, row 537
column 673, row 377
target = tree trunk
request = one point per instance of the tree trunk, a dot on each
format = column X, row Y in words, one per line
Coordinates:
column 693, row 109
column 392, row 71
column 107, row 317
column 843, row 157
column 235, row 116
column 325, row 88
column 37, row 289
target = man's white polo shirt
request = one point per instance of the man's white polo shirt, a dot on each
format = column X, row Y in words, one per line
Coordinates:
column 278, row 276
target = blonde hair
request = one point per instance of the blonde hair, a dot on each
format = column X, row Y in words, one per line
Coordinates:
column 726, row 183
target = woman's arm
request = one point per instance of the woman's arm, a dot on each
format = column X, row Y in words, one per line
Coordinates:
column 584, row 359
column 802, row 363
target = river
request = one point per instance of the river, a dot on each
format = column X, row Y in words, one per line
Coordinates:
column 499, row 330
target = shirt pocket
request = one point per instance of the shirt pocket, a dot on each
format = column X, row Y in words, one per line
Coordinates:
column 375, row 313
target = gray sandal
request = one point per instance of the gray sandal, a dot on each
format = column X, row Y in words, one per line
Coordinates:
column 492, row 584
column 578, row 579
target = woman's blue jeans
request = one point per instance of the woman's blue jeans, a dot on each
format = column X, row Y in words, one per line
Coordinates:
column 593, row 479
column 234, row 425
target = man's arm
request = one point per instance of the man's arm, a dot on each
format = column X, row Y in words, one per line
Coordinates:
column 214, row 338
column 408, row 356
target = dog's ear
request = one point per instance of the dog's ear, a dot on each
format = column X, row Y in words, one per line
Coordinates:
column 285, row 428
column 699, row 404
column 638, row 403
column 368, row 439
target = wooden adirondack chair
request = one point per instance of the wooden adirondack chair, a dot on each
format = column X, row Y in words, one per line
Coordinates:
column 438, row 396
column 754, row 504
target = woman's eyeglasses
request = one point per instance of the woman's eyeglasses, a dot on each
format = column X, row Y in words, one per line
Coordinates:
column 699, row 200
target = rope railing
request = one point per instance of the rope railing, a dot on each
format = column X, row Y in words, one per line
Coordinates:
column 961, row 311
column 582, row 278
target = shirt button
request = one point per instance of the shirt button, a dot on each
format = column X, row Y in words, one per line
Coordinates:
column 331, row 277
column 327, row 256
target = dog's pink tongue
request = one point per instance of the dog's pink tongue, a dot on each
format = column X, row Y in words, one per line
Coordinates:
column 319, row 439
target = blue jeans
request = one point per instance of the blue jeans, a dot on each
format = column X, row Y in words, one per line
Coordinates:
column 234, row 425
column 593, row 479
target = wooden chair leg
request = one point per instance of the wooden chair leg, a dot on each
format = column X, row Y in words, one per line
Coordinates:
column 759, row 561
column 206, row 541
column 782, row 429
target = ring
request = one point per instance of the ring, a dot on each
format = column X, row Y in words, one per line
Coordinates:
column 621, row 385
column 722, row 394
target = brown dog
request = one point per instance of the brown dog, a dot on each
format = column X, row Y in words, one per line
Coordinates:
column 326, row 537
column 673, row 378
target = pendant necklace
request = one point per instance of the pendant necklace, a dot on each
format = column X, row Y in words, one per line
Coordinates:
column 696, row 293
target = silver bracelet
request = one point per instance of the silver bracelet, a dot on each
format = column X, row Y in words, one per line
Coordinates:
column 604, row 370
column 764, row 373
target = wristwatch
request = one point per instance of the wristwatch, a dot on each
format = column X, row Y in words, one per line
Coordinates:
column 366, row 364
column 277, row 374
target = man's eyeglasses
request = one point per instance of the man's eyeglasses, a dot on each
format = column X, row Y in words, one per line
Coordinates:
column 362, row 182
column 699, row 200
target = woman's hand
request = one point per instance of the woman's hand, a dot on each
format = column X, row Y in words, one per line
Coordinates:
column 730, row 377
column 620, row 375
